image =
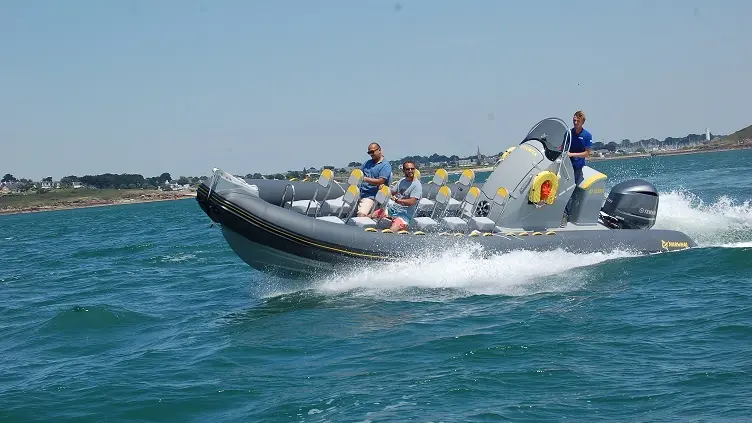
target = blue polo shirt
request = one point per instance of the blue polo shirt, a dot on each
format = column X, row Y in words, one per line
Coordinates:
column 370, row 169
column 580, row 142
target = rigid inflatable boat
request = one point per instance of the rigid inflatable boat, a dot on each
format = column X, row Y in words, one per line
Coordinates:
column 296, row 228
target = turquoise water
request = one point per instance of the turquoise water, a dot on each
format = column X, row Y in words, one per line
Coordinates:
column 142, row 313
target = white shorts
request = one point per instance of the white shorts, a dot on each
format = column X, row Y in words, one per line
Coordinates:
column 365, row 206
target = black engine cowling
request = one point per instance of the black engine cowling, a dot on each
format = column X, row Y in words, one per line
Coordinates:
column 631, row 204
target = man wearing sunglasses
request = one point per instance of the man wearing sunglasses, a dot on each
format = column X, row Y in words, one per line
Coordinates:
column 404, row 199
column 376, row 172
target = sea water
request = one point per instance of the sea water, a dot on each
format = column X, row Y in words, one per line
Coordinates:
column 143, row 313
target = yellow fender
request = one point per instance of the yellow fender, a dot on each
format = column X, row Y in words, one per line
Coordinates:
column 535, row 189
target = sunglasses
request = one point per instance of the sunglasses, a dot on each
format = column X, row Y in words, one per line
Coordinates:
column 408, row 168
column 371, row 151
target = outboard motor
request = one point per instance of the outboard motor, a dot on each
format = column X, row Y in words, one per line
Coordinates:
column 631, row 204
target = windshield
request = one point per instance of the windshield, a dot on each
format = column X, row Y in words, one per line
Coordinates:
column 551, row 132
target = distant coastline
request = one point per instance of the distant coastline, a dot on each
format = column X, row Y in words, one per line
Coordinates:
column 69, row 199
column 458, row 170
column 672, row 153
column 85, row 198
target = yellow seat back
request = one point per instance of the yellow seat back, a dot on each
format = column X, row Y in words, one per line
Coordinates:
column 382, row 196
column 500, row 196
column 355, row 178
column 440, row 177
column 466, row 178
column 326, row 178
column 443, row 196
column 352, row 194
column 472, row 195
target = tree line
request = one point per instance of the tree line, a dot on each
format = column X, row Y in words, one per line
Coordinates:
column 136, row 181
column 110, row 181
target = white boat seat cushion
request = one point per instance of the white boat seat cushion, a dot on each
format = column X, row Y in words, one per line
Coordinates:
column 426, row 205
column 301, row 205
column 424, row 223
column 455, row 223
column 454, row 205
column 333, row 219
column 334, row 206
column 362, row 221
column 481, row 223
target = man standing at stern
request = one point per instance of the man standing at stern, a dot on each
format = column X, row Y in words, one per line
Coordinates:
column 579, row 151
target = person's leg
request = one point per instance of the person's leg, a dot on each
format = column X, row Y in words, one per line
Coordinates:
column 577, row 180
column 379, row 213
column 364, row 206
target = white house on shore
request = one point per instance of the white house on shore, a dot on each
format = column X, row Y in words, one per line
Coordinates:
column 8, row 187
column 49, row 184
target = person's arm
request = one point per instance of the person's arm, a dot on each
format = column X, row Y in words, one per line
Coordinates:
column 374, row 181
column 366, row 179
column 414, row 196
column 383, row 176
column 588, row 141
column 585, row 153
column 406, row 201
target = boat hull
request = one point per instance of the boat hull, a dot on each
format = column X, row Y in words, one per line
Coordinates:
column 283, row 242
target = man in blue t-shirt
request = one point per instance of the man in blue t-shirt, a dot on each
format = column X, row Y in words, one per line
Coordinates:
column 579, row 151
column 376, row 172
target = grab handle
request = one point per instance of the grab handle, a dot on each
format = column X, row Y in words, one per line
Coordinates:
column 284, row 193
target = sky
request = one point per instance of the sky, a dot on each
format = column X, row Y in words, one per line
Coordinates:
column 183, row 86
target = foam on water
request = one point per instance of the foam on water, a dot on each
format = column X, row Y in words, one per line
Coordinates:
column 464, row 272
column 723, row 223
